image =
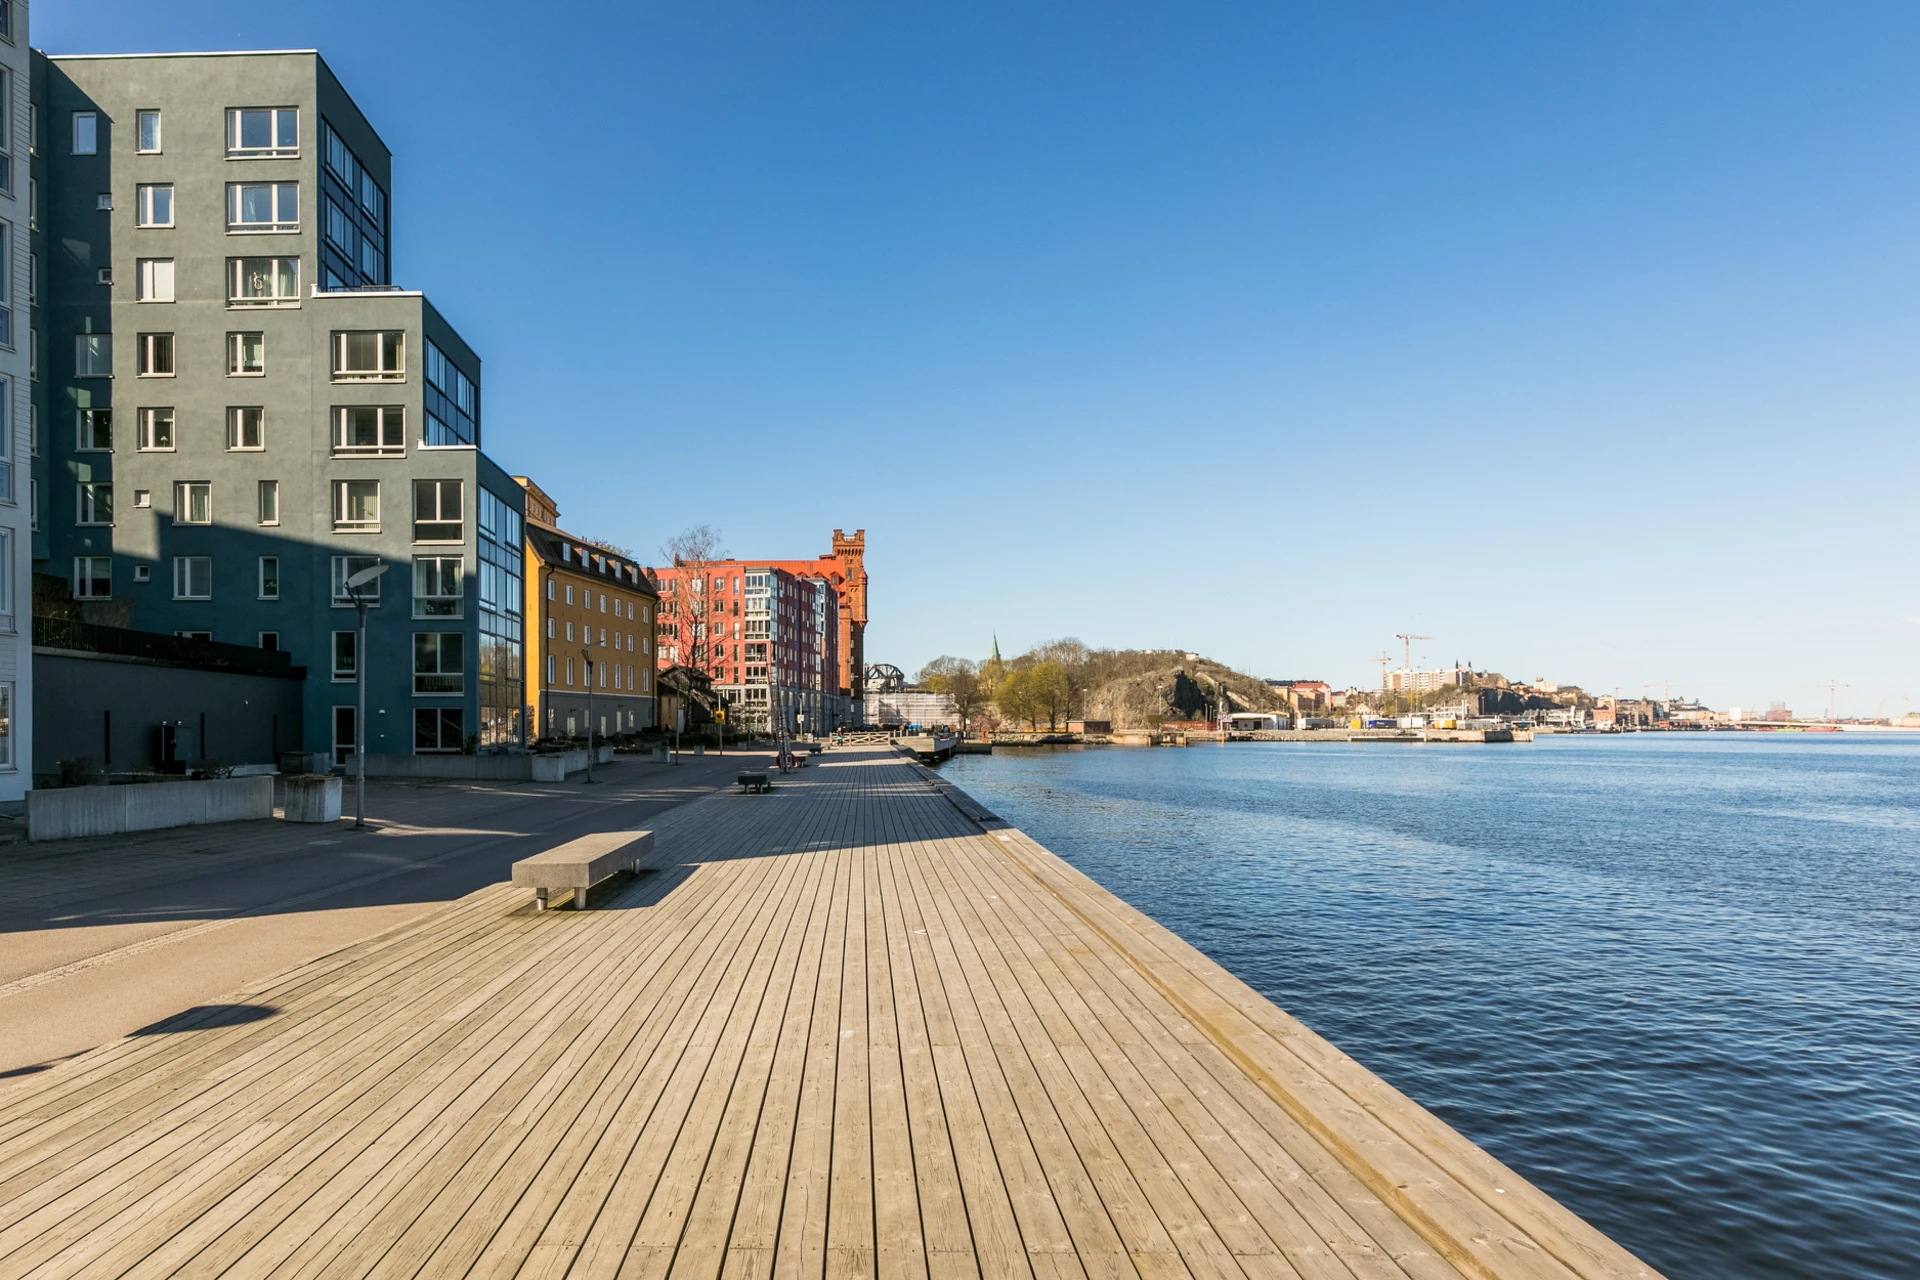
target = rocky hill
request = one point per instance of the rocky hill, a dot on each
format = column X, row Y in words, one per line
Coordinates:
column 1138, row 689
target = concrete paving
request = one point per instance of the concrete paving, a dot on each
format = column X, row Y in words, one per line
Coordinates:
column 101, row 937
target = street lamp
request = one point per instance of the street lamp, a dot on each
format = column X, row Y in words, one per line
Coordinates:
column 586, row 652
column 354, row 582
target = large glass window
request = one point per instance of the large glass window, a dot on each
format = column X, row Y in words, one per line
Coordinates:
column 93, row 355
column 501, row 595
column 246, row 355
column 437, row 511
column 439, row 662
column 263, row 206
column 156, row 430
column 193, row 577
column 263, row 131
column 370, row 356
column 93, row 577
column 263, row 282
column 438, row 729
column 356, row 506
column 345, row 567
column 95, row 503
column 353, row 250
column 361, row 429
column 453, row 403
column 438, row 586
column 153, row 204
column 193, row 502
column 94, row 430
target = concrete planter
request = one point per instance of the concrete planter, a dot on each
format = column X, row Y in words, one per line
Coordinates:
column 313, row 798
column 66, row 812
column 556, row 767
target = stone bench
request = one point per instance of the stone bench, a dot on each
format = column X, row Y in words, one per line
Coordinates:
column 580, row 864
column 754, row 782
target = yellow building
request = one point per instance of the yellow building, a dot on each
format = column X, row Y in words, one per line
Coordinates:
column 591, row 614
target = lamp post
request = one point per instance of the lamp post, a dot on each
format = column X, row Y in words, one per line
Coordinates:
column 354, row 583
column 586, row 652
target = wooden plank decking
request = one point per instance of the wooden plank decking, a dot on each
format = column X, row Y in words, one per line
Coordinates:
column 852, row 1028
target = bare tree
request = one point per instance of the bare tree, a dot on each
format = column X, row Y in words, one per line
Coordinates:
column 688, row 604
column 1075, row 661
column 959, row 679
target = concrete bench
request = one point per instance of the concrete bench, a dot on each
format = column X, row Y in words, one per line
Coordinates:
column 580, row 864
column 754, row 782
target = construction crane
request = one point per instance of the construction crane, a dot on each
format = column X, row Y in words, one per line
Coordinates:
column 1833, row 687
column 1407, row 640
column 1383, row 660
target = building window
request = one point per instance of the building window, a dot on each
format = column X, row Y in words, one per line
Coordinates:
column 93, row 577
column 376, row 356
column 6, row 580
column 193, row 577
column 345, row 567
column 33, row 503
column 453, row 403
column 94, row 430
column 345, row 665
column 153, row 204
column 551, row 664
column 153, row 280
column 156, row 355
column 156, row 430
column 147, row 124
column 269, row 577
column 95, row 503
column 269, row 512
column 263, row 206
column 438, row 729
column 363, row 429
column 439, row 662
column 356, row 505
column 569, row 673
column 437, row 511
column 438, row 586
column 263, row 282
column 86, row 133
column 270, row 641
column 263, row 131
column 246, row 427
column 193, row 502
column 93, row 355
column 246, row 355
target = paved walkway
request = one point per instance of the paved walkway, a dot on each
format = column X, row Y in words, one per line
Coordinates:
column 99, row 937
column 856, row 1027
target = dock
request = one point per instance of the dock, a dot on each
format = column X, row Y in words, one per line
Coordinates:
column 856, row 1027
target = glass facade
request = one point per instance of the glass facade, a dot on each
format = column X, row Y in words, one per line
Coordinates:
column 453, row 403
column 353, row 220
column 502, row 643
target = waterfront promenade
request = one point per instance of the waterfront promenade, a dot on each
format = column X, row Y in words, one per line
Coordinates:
column 856, row 1027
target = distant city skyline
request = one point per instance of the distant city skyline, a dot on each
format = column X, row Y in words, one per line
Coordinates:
column 1581, row 341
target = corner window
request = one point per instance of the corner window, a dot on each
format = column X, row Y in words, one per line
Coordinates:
column 345, row 567
column 356, row 506
column 269, row 502
column 439, row 662
column 246, row 428
column 437, row 511
column 437, row 587
column 147, row 128
column 345, row 655
column 377, row 356
column 153, row 204
column 95, row 504
column 438, row 729
column 156, row 430
column 93, row 577
column 263, row 206
column 263, row 282
column 246, row 355
column 156, row 355
column 193, row 577
column 269, row 577
column 153, row 280
column 369, row 429
column 86, row 133
column 93, row 355
column 94, row 430
column 254, row 132
column 193, row 502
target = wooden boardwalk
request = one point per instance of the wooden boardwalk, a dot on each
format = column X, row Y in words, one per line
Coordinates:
column 852, row 1028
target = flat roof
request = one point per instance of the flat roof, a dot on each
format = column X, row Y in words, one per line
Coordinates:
column 185, row 53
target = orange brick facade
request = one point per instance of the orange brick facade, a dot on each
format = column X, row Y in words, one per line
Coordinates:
column 844, row 567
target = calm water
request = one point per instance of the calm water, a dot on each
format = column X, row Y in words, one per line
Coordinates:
column 1673, row 980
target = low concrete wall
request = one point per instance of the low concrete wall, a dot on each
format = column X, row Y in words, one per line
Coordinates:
column 65, row 812
column 472, row 768
column 312, row 798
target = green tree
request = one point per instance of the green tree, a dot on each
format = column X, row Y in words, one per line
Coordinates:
column 1015, row 698
column 1050, row 691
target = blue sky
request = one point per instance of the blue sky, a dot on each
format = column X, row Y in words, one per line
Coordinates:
column 1583, row 341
